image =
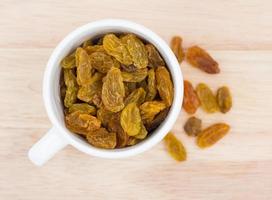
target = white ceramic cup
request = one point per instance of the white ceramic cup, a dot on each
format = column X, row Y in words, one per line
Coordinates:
column 59, row 136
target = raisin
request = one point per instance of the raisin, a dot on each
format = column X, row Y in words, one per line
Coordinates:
column 212, row 134
column 193, row 126
column 101, row 138
column 150, row 109
column 136, row 76
column 104, row 116
column 164, row 85
column 199, row 58
column 81, row 123
column 224, row 99
column 87, row 93
column 176, row 46
column 115, row 126
column 94, row 48
column 84, row 68
column 83, row 107
column 136, row 49
column 102, row 62
column 113, row 91
column 175, row 148
column 115, row 47
column 154, row 58
column 190, row 100
column 87, row 43
column 131, row 119
column 137, row 96
column 206, row 97
column 69, row 61
column 151, row 86
column 142, row 134
column 159, row 118
column 71, row 88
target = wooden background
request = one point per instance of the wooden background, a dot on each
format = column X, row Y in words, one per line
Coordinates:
column 237, row 33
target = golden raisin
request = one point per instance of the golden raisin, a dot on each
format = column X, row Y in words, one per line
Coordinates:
column 199, row 58
column 206, row 97
column 224, row 99
column 176, row 46
column 175, row 148
column 212, row 134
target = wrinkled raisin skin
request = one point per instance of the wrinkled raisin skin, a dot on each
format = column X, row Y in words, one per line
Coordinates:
column 207, row 98
column 199, row 58
column 175, row 148
column 224, row 99
column 190, row 100
column 176, row 46
column 212, row 134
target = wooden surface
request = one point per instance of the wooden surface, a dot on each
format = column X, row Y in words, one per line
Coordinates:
column 237, row 33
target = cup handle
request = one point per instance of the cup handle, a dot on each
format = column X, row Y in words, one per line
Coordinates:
column 47, row 147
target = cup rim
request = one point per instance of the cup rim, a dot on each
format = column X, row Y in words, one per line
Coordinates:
column 173, row 67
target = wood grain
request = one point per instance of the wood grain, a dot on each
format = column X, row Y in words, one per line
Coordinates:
column 239, row 167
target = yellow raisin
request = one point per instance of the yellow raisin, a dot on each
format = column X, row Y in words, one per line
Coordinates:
column 131, row 119
column 212, row 134
column 136, row 49
column 101, row 138
column 136, row 76
column 176, row 46
column 150, row 109
column 224, row 99
column 115, row 47
column 175, row 148
column 113, row 90
column 164, row 85
column 206, row 97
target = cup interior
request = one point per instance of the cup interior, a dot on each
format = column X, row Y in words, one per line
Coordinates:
column 51, row 91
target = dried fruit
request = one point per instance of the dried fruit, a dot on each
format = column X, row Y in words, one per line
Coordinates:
column 193, row 126
column 154, row 58
column 151, row 86
column 94, row 48
column 88, row 92
column 82, row 123
column 212, row 134
column 136, row 76
column 175, row 148
column 84, row 68
column 132, row 141
column 131, row 119
column 71, row 88
column 159, row 118
column 83, row 107
column 142, row 134
column 102, row 62
column 176, row 46
column 199, row 58
column 206, row 97
column 129, row 68
column 137, row 96
column 129, row 87
column 150, row 109
column 87, row 43
column 69, row 61
column 104, row 116
column 113, row 90
column 164, row 85
column 101, row 138
column 190, row 99
column 136, row 49
column 224, row 99
column 115, row 47
column 115, row 126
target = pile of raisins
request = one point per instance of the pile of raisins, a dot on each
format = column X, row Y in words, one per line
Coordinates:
column 116, row 90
